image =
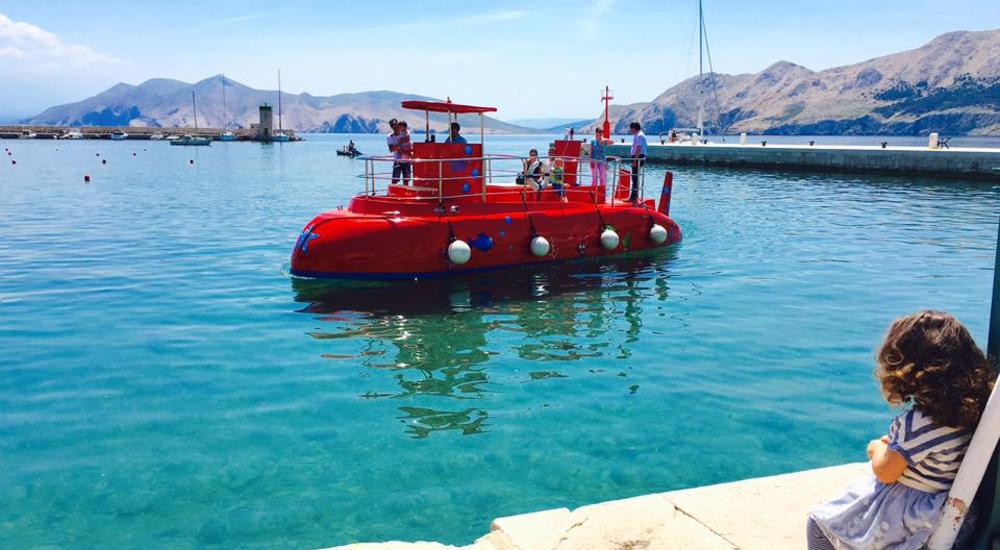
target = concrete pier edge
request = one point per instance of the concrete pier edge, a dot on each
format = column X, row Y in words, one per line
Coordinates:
column 959, row 162
column 766, row 513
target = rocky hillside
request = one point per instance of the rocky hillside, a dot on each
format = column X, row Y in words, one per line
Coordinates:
column 949, row 85
column 162, row 102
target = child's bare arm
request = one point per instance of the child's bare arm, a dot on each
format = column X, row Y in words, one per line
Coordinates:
column 887, row 465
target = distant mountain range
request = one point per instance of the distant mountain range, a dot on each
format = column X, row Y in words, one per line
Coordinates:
column 162, row 102
column 949, row 85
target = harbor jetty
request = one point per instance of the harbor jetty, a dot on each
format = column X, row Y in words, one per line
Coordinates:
column 963, row 162
column 767, row 513
column 133, row 132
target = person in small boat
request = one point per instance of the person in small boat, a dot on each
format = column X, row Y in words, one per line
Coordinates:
column 401, row 167
column 929, row 363
column 351, row 147
column 599, row 158
column 533, row 172
column 453, row 134
column 638, row 154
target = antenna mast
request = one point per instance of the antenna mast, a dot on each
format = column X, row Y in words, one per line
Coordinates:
column 225, row 117
column 279, row 100
column 607, row 97
column 701, row 71
column 194, row 109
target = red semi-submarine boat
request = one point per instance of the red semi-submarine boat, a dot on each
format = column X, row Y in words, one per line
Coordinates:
column 463, row 211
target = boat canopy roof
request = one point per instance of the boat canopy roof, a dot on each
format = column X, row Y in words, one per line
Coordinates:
column 446, row 107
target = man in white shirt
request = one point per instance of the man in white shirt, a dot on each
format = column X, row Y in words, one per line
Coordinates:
column 638, row 155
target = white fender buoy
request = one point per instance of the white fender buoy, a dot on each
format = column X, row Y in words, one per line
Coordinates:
column 540, row 246
column 658, row 233
column 609, row 239
column 459, row 252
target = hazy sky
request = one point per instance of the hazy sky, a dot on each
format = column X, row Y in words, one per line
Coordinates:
column 530, row 59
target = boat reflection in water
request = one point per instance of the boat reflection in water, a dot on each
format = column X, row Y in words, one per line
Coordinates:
column 433, row 338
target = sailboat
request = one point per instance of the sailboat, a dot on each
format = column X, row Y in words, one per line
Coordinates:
column 279, row 136
column 191, row 139
column 226, row 135
column 696, row 135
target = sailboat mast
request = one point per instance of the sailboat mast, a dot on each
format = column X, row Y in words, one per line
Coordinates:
column 701, row 71
column 225, row 116
column 194, row 109
column 279, row 100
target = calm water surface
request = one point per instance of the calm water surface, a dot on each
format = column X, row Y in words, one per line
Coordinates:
column 164, row 383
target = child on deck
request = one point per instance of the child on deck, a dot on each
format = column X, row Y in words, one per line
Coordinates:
column 558, row 178
column 930, row 362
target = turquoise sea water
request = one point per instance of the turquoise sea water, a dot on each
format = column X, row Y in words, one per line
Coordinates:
column 164, row 383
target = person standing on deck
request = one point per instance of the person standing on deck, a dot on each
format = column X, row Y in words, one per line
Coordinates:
column 453, row 135
column 404, row 149
column 599, row 158
column 392, row 140
column 638, row 155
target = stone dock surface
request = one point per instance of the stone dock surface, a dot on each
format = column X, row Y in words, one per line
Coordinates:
column 963, row 162
column 767, row 513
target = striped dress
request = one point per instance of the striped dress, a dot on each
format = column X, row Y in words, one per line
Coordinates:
column 871, row 515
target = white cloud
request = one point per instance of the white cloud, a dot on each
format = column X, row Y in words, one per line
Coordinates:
column 31, row 43
column 473, row 19
column 239, row 19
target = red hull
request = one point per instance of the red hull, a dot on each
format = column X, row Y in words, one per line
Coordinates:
column 451, row 219
column 370, row 240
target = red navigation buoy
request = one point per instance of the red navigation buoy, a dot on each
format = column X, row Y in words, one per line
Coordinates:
column 86, row 179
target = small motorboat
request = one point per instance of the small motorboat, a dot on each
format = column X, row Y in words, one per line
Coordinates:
column 71, row 134
column 156, row 137
column 227, row 136
column 119, row 135
column 280, row 137
column 464, row 211
column 27, row 135
column 348, row 151
column 191, row 140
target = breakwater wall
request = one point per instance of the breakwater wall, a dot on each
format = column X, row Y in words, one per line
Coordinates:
column 134, row 132
column 965, row 162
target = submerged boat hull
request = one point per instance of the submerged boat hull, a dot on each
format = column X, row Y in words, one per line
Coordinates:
column 380, row 239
